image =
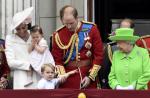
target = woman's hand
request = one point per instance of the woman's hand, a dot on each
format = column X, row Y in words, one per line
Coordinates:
column 3, row 83
column 3, row 80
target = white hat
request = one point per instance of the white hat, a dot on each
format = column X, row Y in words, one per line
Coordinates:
column 20, row 17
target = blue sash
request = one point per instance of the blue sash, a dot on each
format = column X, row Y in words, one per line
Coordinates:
column 86, row 28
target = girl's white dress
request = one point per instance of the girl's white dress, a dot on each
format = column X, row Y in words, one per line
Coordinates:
column 38, row 59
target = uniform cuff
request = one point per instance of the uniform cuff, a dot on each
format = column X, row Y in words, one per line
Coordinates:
column 94, row 72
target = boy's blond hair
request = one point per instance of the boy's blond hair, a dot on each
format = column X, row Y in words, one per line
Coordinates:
column 47, row 65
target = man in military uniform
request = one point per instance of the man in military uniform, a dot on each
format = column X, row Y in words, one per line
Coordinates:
column 144, row 42
column 77, row 45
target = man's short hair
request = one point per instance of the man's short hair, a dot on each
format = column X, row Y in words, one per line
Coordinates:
column 131, row 22
column 75, row 12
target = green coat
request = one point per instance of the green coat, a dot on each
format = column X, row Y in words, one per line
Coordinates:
column 133, row 69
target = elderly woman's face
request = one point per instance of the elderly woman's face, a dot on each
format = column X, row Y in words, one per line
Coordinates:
column 123, row 46
column 22, row 30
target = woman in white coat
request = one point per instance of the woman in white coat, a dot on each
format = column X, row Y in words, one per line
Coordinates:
column 17, row 52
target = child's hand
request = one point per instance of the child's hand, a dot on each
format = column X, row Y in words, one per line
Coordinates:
column 72, row 72
column 34, row 43
column 65, row 76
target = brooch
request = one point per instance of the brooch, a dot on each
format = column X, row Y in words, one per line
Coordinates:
column 88, row 53
column 86, row 36
column 88, row 45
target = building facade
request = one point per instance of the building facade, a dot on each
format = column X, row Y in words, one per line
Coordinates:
column 46, row 13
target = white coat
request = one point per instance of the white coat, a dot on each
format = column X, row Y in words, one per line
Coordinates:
column 18, row 60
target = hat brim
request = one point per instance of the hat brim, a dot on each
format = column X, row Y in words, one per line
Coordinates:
column 126, row 38
column 25, row 14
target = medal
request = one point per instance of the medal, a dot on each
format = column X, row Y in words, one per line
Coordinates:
column 88, row 45
column 86, row 36
column 88, row 53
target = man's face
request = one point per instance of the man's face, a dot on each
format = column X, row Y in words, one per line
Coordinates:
column 69, row 20
column 125, row 24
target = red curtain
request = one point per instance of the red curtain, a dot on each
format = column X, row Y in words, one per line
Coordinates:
column 71, row 93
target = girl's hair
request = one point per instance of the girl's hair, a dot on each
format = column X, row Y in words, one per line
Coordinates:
column 47, row 65
column 35, row 29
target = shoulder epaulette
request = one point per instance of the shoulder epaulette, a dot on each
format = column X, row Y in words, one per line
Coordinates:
column 145, row 36
column 88, row 22
column 60, row 28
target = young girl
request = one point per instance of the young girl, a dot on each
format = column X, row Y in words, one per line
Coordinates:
column 39, row 51
column 49, row 80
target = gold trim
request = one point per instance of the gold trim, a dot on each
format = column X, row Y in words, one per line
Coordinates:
column 88, row 22
column 77, row 45
column 73, row 41
column 145, row 36
column 61, row 45
column 60, row 69
column 70, row 54
column 144, row 43
column 60, row 28
column 110, row 54
column 94, row 72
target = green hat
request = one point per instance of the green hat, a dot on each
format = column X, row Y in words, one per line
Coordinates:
column 124, row 34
